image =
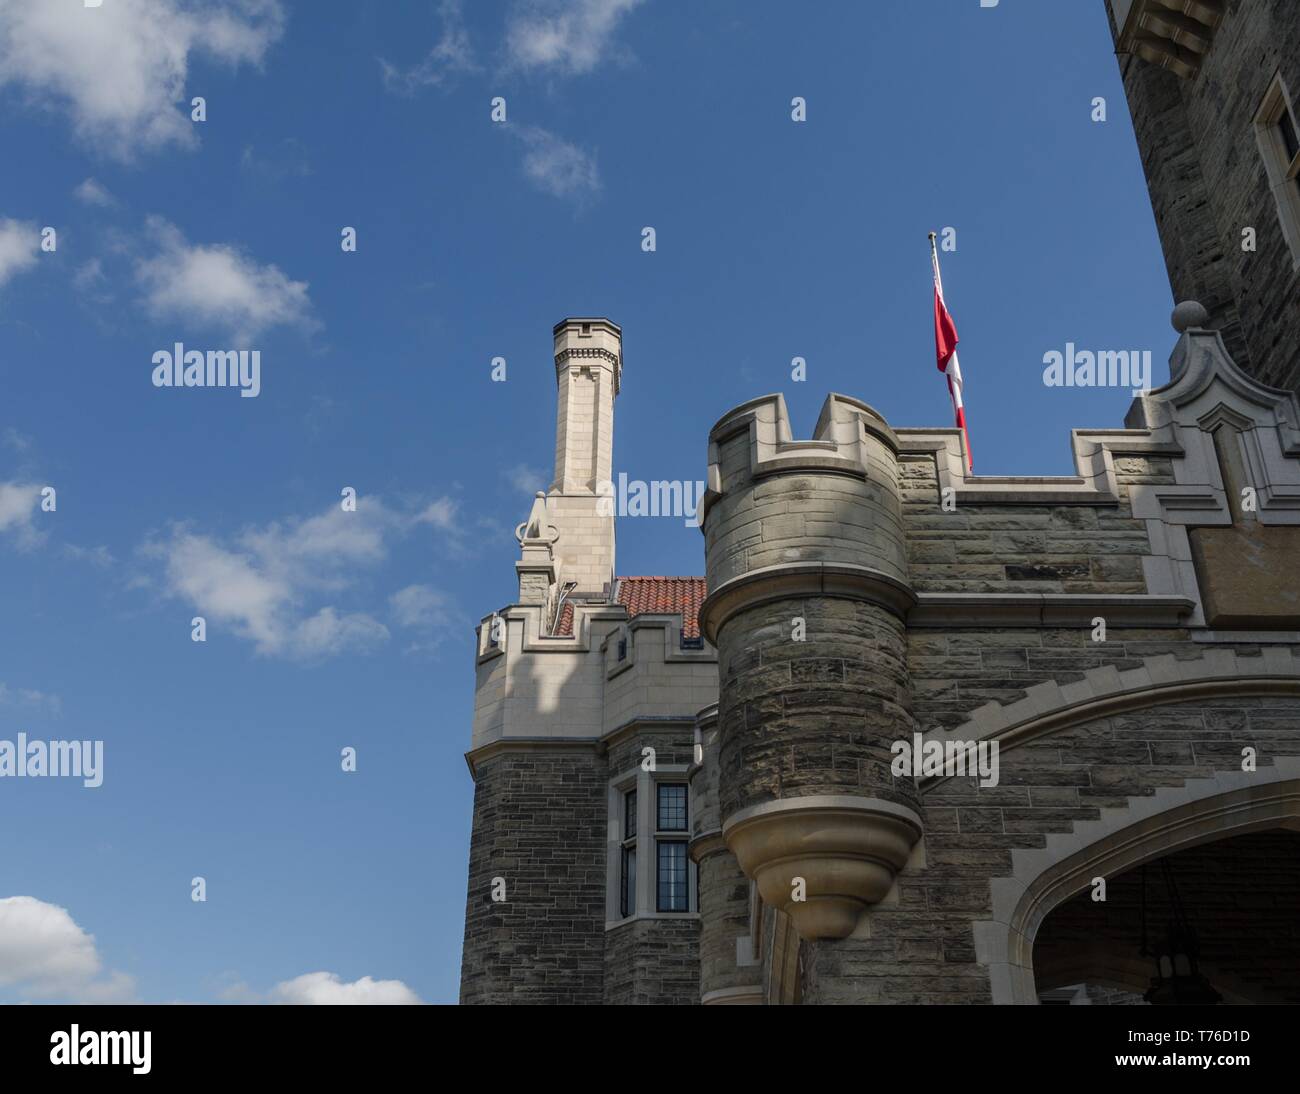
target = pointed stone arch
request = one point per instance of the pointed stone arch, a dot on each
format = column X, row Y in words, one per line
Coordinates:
column 1200, row 811
column 1105, row 691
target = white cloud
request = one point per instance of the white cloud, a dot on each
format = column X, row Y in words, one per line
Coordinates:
column 100, row 557
column 559, row 168
column 567, row 37
column 19, row 243
column 525, row 479
column 266, row 583
column 327, row 989
column 45, row 955
column 452, row 56
column 217, row 286
column 91, row 192
column 18, row 506
column 327, row 632
column 30, row 697
column 441, row 513
column 287, row 159
column 19, row 442
column 420, row 606
column 260, row 583
column 119, row 70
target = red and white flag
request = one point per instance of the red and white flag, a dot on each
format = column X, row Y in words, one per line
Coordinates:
column 945, row 349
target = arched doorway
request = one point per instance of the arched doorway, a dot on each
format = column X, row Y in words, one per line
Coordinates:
column 1233, row 904
column 1192, row 827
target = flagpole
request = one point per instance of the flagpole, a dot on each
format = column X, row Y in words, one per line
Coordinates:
column 960, row 410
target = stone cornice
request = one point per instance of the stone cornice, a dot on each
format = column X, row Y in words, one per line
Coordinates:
column 614, row 360
column 796, row 579
column 504, row 745
column 705, row 844
column 941, row 609
column 643, row 722
column 1173, row 34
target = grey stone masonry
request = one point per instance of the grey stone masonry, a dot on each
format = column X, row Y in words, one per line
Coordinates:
column 813, row 687
column 539, row 826
column 1201, row 152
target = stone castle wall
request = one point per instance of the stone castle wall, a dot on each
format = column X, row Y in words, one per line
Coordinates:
column 1207, row 183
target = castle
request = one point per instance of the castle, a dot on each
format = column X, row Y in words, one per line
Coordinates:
column 689, row 790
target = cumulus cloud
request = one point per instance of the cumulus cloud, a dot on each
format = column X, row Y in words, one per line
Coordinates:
column 119, row 70
column 450, row 57
column 565, row 37
column 420, row 606
column 19, row 244
column 441, row 513
column 267, row 583
column 217, row 286
column 327, row 989
column 556, row 166
column 525, row 479
column 18, row 506
column 44, row 955
column 91, row 192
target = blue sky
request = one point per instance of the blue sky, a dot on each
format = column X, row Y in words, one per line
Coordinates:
column 775, row 239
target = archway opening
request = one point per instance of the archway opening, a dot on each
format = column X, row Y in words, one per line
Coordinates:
column 1240, row 912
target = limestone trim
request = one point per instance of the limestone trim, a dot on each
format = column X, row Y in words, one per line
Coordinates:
column 641, row 723
column 1105, row 691
column 1200, row 811
column 781, row 963
column 748, row 994
column 476, row 756
column 673, row 648
column 838, row 446
column 1173, row 37
column 847, row 849
column 798, row 579
column 706, row 844
column 1094, row 451
column 1206, row 392
column 536, row 640
column 947, row 610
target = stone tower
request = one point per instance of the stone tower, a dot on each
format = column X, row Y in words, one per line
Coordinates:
column 577, row 681
column 1213, row 88
column 588, row 372
column 806, row 560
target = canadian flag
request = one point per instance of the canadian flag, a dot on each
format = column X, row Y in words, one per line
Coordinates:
column 945, row 350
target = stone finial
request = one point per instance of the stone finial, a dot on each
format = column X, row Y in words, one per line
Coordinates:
column 1189, row 314
column 538, row 525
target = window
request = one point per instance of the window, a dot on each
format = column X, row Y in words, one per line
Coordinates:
column 627, row 899
column 650, row 869
column 672, row 882
column 672, row 807
column 671, row 873
column 1278, row 135
column 627, row 870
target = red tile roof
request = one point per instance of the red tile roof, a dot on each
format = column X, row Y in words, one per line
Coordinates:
column 652, row 596
column 664, row 596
